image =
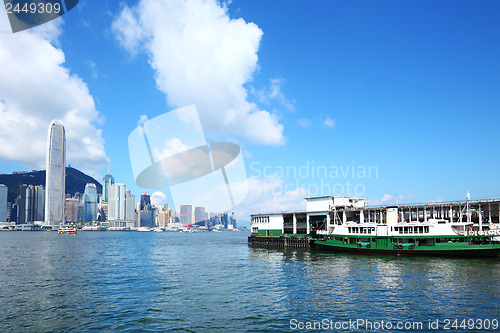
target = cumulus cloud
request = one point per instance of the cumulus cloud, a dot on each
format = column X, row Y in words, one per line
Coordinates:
column 201, row 56
column 158, row 198
column 36, row 88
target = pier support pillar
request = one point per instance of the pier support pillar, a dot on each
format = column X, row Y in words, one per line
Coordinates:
column 480, row 218
column 489, row 213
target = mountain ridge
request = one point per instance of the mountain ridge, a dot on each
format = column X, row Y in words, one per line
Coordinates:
column 75, row 181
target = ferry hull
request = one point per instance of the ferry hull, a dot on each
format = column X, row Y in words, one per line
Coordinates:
column 489, row 251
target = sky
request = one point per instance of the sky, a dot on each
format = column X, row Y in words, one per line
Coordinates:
column 385, row 100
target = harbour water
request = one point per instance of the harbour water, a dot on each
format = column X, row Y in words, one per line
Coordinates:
column 215, row 282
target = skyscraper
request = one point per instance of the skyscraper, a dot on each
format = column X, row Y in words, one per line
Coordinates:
column 186, row 215
column 199, row 215
column 31, row 204
column 90, row 203
column 117, row 204
column 39, row 213
column 107, row 181
column 3, row 203
column 55, row 180
column 145, row 202
column 72, row 210
column 129, row 209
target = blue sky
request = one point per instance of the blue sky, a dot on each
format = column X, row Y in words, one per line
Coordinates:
column 408, row 88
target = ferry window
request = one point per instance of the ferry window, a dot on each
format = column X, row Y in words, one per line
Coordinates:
column 443, row 240
column 405, row 230
column 426, row 229
column 425, row 241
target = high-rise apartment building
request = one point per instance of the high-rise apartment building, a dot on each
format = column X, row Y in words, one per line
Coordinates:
column 55, row 182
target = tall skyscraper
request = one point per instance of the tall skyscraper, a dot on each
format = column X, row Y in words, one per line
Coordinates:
column 3, row 203
column 117, row 204
column 200, row 215
column 90, row 203
column 31, row 204
column 39, row 213
column 145, row 202
column 130, row 216
column 107, row 181
column 55, row 180
column 186, row 215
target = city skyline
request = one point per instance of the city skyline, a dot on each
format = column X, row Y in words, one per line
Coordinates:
column 121, row 210
column 336, row 84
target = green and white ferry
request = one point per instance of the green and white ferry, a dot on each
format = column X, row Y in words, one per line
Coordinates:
column 469, row 228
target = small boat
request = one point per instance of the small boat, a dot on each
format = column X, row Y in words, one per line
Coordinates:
column 67, row 230
column 144, row 229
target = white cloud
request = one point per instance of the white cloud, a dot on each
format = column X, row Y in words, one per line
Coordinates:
column 158, row 198
column 274, row 93
column 170, row 147
column 201, row 57
column 328, row 122
column 304, row 122
column 388, row 199
column 36, row 88
column 264, row 194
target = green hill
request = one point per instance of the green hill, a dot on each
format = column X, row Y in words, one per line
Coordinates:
column 75, row 181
